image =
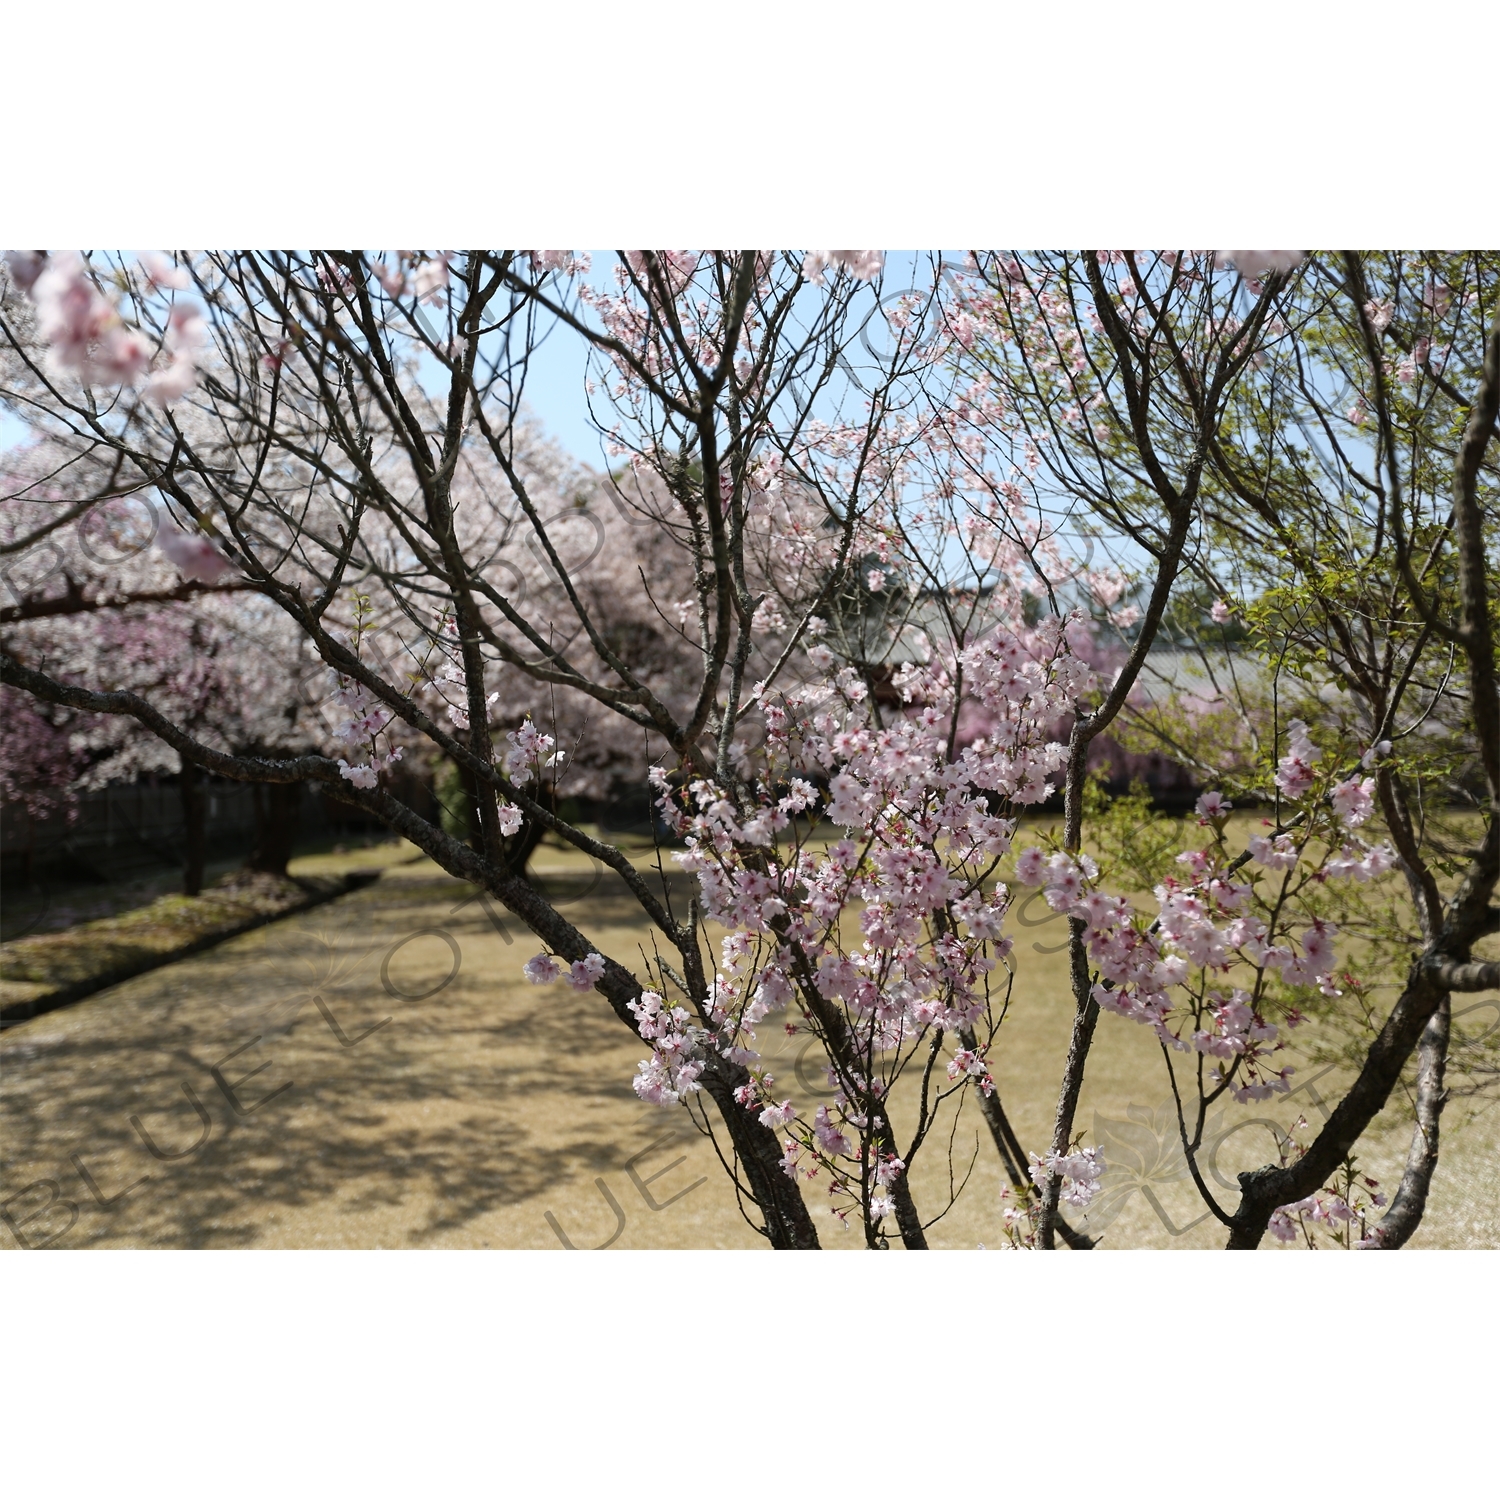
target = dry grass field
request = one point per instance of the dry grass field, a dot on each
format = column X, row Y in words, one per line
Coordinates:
column 376, row 1073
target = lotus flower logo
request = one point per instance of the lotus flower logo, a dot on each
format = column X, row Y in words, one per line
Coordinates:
column 1143, row 1153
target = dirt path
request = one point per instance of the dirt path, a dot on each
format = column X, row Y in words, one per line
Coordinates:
column 375, row 1073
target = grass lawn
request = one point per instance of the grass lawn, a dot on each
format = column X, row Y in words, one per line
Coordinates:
column 139, row 934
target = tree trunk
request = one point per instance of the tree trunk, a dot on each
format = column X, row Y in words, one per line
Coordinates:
column 278, row 806
column 1405, row 1213
column 190, row 786
column 789, row 1226
column 519, row 847
column 470, row 784
column 1012, row 1157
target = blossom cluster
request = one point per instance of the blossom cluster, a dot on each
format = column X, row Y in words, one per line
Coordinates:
column 89, row 337
column 194, row 556
column 1079, row 1171
column 361, row 723
column 530, row 752
column 1170, row 972
column 426, row 277
column 583, row 974
column 1340, row 1213
column 862, row 265
column 920, row 827
column 226, row 663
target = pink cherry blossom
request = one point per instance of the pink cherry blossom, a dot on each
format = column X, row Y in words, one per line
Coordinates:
column 172, row 382
column 161, row 274
column 430, row 279
column 71, row 313
column 863, row 265
column 1275, row 854
column 187, row 336
column 194, row 555
column 831, row 1140
column 360, row 776
column 542, row 969
column 1079, row 1170
column 392, row 278
column 1295, row 773
column 1353, row 800
column 570, row 262
column 777, row 1115
column 585, row 973
column 24, row 267
column 1254, row 264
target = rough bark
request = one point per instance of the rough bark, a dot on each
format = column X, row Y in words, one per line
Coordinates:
column 1405, row 1213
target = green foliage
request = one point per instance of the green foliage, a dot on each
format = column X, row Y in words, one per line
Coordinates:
column 1135, row 844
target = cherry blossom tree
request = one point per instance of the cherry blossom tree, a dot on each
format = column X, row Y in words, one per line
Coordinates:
column 119, row 595
column 845, row 585
column 1340, row 519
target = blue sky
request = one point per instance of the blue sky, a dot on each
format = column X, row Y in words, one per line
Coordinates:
column 554, row 387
